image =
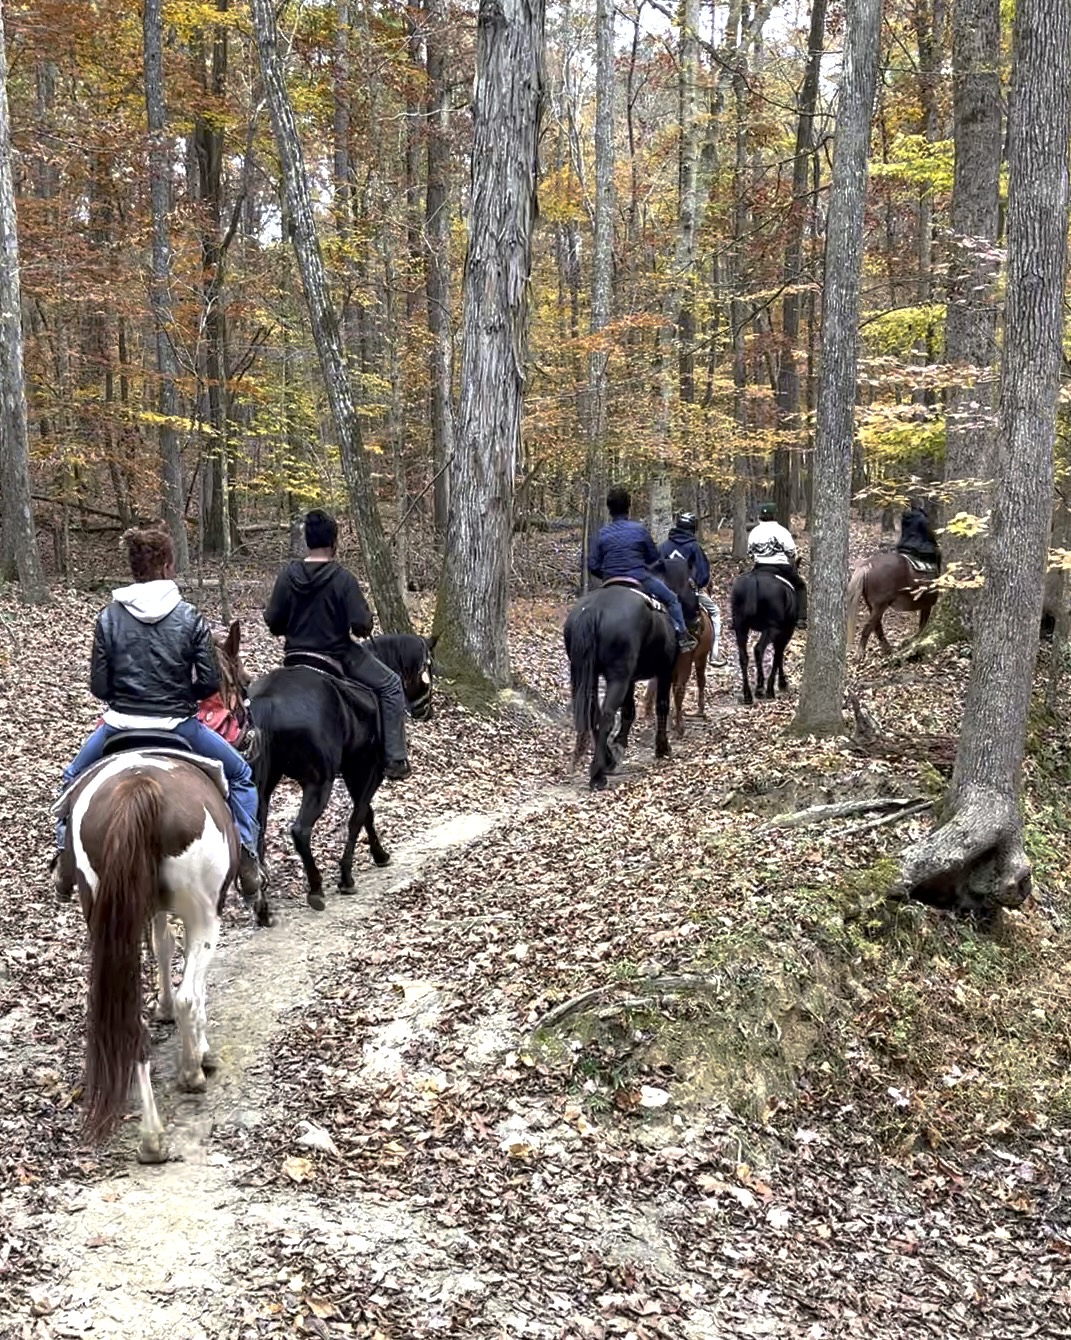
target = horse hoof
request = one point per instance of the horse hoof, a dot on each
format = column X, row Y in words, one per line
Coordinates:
column 663, row 751
column 599, row 783
column 163, row 1015
column 316, row 901
column 381, row 858
column 193, row 1081
column 264, row 915
column 153, row 1149
column 210, row 1063
column 348, row 890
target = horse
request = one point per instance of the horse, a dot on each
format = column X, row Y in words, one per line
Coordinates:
column 888, row 580
column 683, row 672
column 762, row 601
column 148, row 835
column 312, row 725
column 614, row 632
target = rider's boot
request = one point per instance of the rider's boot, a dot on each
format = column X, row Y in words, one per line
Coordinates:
column 250, row 875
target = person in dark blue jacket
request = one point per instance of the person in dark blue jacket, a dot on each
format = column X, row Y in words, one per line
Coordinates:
column 624, row 548
column 683, row 543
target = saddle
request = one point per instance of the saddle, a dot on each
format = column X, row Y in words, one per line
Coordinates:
column 153, row 744
column 927, row 567
column 772, row 572
column 314, row 660
column 633, row 585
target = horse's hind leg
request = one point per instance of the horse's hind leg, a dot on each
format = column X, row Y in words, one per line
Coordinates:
column 777, row 670
column 163, row 948
column 152, row 1147
column 761, row 690
column 661, row 747
column 701, row 684
column 745, row 672
column 601, row 762
column 202, row 935
column 314, row 798
column 362, row 786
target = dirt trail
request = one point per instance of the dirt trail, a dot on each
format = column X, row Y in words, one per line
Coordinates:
column 147, row 1253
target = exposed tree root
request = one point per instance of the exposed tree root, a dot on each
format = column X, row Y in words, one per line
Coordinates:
column 974, row 863
column 818, row 814
column 652, row 987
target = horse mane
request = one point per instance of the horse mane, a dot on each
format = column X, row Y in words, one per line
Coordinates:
column 129, row 866
column 405, row 653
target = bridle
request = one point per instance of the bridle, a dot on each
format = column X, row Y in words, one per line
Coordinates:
column 423, row 698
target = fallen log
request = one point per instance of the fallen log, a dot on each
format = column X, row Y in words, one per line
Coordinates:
column 818, row 814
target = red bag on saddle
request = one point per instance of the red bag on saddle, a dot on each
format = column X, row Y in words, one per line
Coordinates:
column 215, row 715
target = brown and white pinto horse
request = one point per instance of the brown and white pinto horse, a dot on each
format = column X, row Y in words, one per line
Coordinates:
column 148, row 835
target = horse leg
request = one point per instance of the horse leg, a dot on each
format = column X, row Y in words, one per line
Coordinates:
column 745, row 673
column 201, row 938
column 163, row 947
column 152, row 1147
column 681, row 677
column 601, row 762
column 701, row 684
column 879, row 628
column 362, row 786
column 778, row 668
column 873, row 622
column 379, row 854
column 314, row 798
column 661, row 748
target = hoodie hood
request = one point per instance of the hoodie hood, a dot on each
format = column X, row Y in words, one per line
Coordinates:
column 678, row 535
column 148, row 602
column 307, row 577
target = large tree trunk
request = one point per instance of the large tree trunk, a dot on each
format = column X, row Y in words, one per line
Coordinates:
column 437, row 262
column 971, row 319
column 602, row 272
column 507, row 104
column 976, row 861
column 393, row 615
column 788, row 377
column 19, row 538
column 160, row 284
column 822, row 690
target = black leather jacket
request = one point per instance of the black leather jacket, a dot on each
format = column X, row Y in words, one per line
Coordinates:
column 161, row 668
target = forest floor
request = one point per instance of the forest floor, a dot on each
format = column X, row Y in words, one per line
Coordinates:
column 640, row 1063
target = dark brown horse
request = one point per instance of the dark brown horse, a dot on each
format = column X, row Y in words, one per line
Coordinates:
column 148, row 835
column 682, row 673
column 887, row 580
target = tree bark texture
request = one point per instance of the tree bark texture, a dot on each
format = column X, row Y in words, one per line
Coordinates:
column 507, row 104
column 602, row 273
column 20, row 556
column 971, row 314
column 393, row 615
column 822, row 690
column 788, row 377
column 437, row 261
column 171, row 492
column 976, row 859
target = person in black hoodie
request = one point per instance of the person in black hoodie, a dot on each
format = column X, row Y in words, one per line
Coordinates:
column 315, row 605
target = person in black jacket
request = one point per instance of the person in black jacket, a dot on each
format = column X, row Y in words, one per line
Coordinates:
column 916, row 534
column 316, row 605
column 152, row 664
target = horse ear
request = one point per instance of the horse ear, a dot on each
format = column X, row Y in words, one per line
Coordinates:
column 430, row 642
column 234, row 639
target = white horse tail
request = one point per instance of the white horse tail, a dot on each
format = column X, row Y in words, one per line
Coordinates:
column 855, row 593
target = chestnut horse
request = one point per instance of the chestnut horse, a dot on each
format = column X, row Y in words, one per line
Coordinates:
column 887, row 580
column 148, row 835
column 682, row 673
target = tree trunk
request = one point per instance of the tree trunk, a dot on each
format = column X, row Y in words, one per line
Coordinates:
column 970, row 323
column 393, row 615
column 172, row 498
column 19, row 538
column 976, row 861
column 437, row 261
column 507, row 104
column 602, row 273
column 788, row 378
column 822, row 690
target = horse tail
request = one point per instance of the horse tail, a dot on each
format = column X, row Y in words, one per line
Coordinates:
column 856, row 588
column 583, row 666
column 129, row 870
column 744, row 602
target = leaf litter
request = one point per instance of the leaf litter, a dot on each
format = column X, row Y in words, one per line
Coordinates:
column 423, row 1162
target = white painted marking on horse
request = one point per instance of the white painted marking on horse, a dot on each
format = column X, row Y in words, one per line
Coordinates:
column 204, row 862
column 121, row 763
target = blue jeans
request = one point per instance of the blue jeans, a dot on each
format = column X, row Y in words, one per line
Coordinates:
column 242, row 797
column 654, row 586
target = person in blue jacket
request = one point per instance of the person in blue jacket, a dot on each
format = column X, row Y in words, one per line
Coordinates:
column 624, row 548
column 684, row 544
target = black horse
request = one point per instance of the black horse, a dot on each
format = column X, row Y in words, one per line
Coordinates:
column 614, row 632
column 312, row 726
column 765, row 603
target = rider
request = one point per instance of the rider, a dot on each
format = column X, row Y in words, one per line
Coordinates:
column 316, row 604
column 153, row 662
column 624, row 548
column 682, row 543
column 770, row 545
column 917, row 539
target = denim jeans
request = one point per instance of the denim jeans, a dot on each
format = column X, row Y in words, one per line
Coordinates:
column 242, row 797
column 654, row 586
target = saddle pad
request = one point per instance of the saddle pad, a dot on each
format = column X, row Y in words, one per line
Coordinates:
column 209, row 766
column 921, row 564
